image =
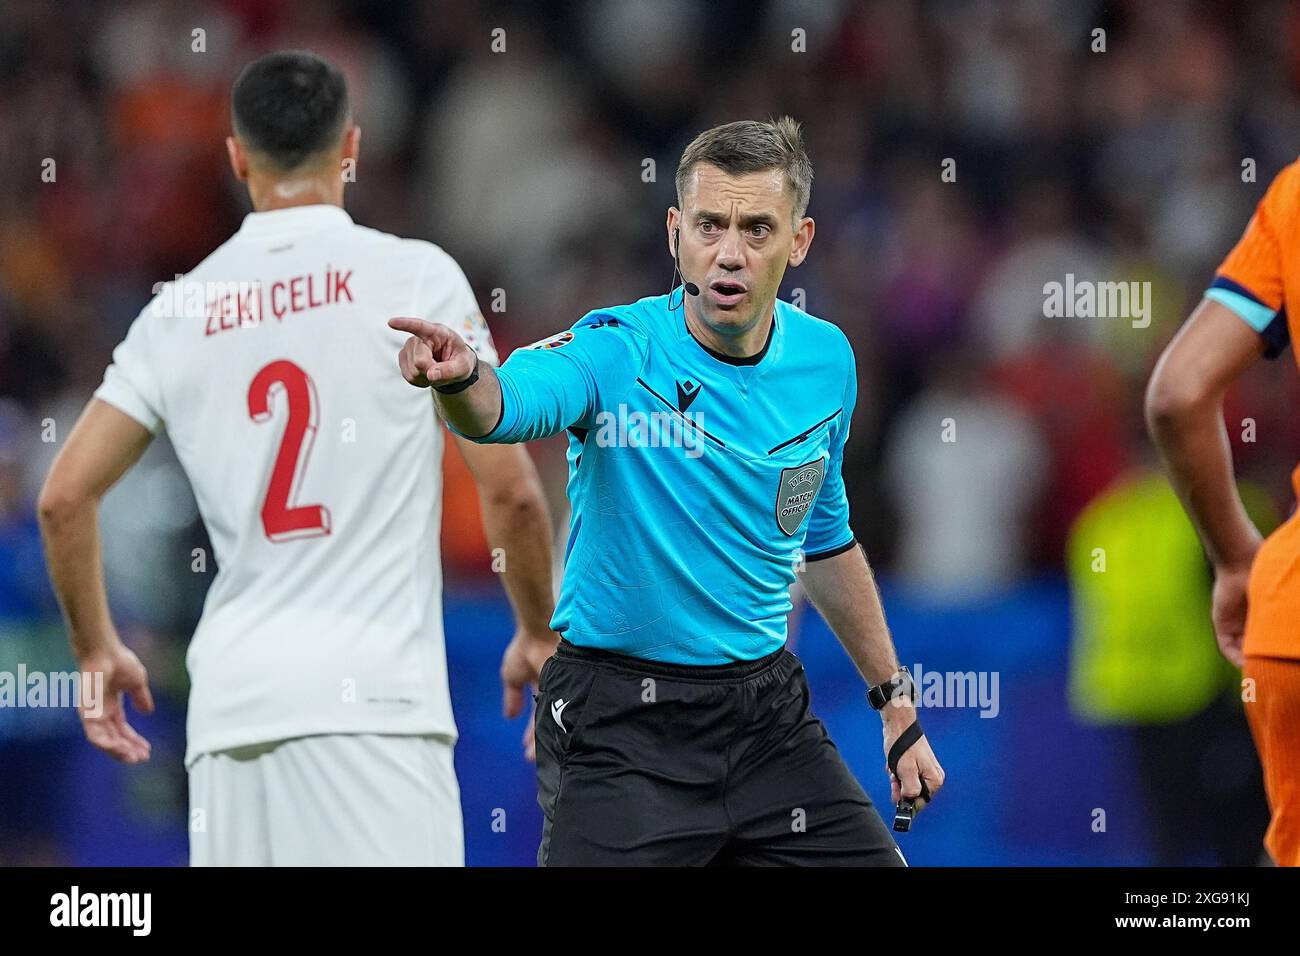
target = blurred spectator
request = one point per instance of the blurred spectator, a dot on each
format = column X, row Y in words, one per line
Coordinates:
column 964, row 467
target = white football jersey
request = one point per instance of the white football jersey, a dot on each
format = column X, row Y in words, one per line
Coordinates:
column 317, row 470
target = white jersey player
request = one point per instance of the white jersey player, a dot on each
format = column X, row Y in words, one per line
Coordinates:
column 320, row 727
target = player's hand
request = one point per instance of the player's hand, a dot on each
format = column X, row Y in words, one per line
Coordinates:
column 433, row 355
column 1229, row 609
column 105, row 720
column 917, row 762
column 530, row 735
column 521, row 665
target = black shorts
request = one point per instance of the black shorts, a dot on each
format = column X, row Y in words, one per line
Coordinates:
column 641, row 763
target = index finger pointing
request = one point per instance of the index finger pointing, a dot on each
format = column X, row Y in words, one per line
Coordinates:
column 414, row 326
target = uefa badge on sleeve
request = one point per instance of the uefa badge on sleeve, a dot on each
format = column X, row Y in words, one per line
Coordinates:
column 796, row 493
column 558, row 340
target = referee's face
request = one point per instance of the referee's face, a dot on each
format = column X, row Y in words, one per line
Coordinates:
column 738, row 235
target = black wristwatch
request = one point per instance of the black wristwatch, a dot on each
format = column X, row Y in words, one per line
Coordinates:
column 461, row 385
column 882, row 694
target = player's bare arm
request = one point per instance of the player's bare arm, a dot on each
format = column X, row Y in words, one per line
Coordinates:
column 436, row 357
column 1184, row 412
column 516, row 520
column 102, row 447
column 843, row 589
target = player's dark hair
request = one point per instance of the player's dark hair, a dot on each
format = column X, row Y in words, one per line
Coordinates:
column 749, row 146
column 289, row 106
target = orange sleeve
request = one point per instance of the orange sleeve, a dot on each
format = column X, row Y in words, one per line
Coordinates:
column 1251, row 281
column 1255, row 262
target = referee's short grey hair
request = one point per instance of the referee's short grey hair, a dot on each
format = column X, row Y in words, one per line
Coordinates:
column 749, row 146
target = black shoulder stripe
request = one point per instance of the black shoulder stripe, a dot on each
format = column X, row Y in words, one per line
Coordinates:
column 805, row 433
column 671, row 408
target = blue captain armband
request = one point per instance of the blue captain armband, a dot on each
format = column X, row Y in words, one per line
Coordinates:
column 1269, row 323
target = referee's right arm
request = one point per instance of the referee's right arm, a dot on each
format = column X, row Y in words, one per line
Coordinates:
column 540, row 391
column 436, row 357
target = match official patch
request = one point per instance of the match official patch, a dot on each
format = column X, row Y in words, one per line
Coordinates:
column 554, row 342
column 797, row 492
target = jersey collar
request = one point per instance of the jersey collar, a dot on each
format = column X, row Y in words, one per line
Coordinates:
column 747, row 361
column 294, row 220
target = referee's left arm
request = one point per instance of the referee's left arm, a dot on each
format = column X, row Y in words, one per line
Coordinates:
column 840, row 584
column 843, row 589
column 837, row 576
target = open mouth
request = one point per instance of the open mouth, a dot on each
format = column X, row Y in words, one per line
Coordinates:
column 727, row 291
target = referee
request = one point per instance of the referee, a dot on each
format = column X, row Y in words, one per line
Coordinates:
column 706, row 434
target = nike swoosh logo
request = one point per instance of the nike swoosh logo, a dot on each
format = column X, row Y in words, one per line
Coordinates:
column 686, row 394
column 557, row 708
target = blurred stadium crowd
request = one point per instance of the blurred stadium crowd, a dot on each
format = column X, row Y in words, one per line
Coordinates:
column 530, row 166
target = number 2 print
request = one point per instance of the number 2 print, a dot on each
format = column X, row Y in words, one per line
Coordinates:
column 280, row 521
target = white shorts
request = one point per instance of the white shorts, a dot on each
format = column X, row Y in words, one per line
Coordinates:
column 331, row 800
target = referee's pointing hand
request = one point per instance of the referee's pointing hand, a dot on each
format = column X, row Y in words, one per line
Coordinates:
column 433, row 355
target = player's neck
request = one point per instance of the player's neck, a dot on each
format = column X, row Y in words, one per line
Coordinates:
column 271, row 194
column 740, row 346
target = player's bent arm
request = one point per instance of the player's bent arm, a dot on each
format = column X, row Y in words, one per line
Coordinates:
column 516, row 520
column 101, row 448
column 1184, row 413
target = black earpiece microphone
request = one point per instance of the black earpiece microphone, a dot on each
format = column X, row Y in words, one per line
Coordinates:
column 690, row 287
